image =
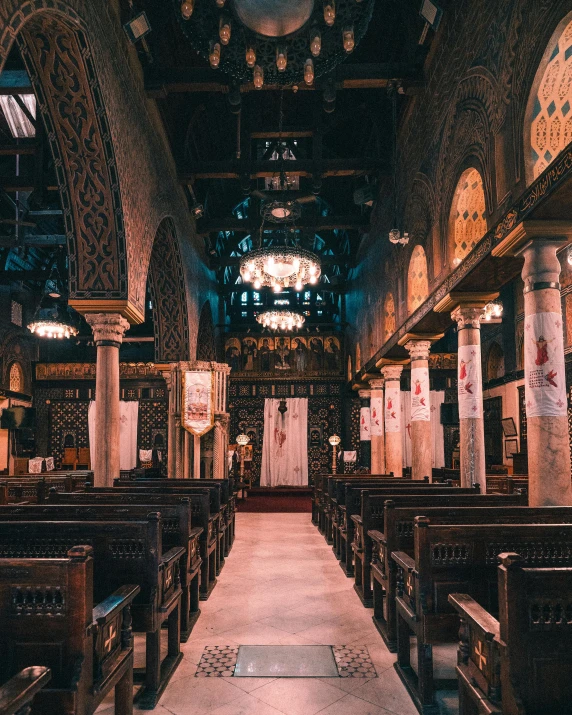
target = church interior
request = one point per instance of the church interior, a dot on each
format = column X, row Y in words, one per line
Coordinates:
column 286, row 357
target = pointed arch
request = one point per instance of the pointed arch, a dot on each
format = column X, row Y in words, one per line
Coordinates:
column 417, row 281
column 468, row 218
column 206, row 343
column 389, row 322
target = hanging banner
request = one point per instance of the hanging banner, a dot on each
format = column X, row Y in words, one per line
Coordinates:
column 470, row 387
column 364, row 424
column 392, row 408
column 197, row 405
column 376, row 416
column 420, row 405
column 544, row 375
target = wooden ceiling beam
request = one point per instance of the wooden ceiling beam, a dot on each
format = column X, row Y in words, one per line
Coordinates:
column 40, row 241
column 316, row 224
column 337, row 288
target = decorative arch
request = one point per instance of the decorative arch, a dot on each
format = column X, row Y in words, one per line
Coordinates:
column 57, row 53
column 389, row 322
column 169, row 297
column 548, row 119
column 417, row 281
column 495, row 362
column 358, row 357
column 468, row 221
column 16, row 379
column 206, row 343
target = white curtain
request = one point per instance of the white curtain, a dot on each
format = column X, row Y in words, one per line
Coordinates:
column 285, row 444
column 438, row 440
column 128, row 417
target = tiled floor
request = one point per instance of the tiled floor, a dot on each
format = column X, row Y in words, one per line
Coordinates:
column 282, row 585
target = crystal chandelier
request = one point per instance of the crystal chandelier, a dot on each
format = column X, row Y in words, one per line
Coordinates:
column 52, row 321
column 280, row 267
column 51, row 327
column 492, row 312
column 280, row 320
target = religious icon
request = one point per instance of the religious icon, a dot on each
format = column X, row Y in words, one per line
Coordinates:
column 266, row 346
column 541, row 350
column 417, row 387
column 463, row 369
column 283, row 352
column 300, row 354
column 249, row 353
column 332, row 354
column 279, row 440
column 232, row 353
column 316, row 353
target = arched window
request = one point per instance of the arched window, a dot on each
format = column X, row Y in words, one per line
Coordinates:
column 358, row 357
column 417, row 283
column 550, row 115
column 388, row 317
column 16, row 378
column 468, row 214
column 495, row 362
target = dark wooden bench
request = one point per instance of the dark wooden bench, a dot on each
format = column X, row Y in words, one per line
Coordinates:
column 34, row 488
column 177, row 531
column 458, row 558
column 47, row 618
column 522, row 662
column 444, row 474
column 505, row 484
column 200, row 518
column 124, row 552
column 17, row 694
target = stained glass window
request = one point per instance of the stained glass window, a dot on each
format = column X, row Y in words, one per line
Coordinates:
column 417, row 283
column 551, row 129
column 16, row 378
column 469, row 213
column 388, row 317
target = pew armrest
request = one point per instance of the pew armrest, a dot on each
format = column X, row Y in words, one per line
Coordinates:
column 172, row 555
column 356, row 518
column 20, row 690
column 404, row 561
column 105, row 611
column 470, row 610
column 196, row 531
column 376, row 536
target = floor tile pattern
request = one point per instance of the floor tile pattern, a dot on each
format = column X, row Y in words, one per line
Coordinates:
column 218, row 661
column 354, row 662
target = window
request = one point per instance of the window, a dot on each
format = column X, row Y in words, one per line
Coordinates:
column 16, row 378
column 417, row 283
column 16, row 313
column 468, row 214
column 244, row 297
column 388, row 317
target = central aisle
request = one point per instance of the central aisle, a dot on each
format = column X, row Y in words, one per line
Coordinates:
column 282, row 585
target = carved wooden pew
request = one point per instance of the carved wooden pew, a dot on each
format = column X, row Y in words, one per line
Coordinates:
column 521, row 663
column 32, row 489
column 200, row 517
column 394, row 532
column 17, row 694
column 505, row 484
column 47, row 618
column 124, row 552
column 177, row 531
column 458, row 559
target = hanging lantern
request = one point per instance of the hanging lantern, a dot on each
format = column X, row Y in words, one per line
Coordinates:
column 348, row 39
column 309, row 72
column 214, row 55
column 187, row 9
column 224, row 29
column 250, row 57
column 329, row 12
column 258, row 78
column 316, row 42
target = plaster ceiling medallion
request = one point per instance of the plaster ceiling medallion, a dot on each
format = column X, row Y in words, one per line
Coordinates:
column 281, row 211
column 280, row 320
column 274, row 42
column 279, row 267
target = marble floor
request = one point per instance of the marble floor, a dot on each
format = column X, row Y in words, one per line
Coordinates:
column 282, row 585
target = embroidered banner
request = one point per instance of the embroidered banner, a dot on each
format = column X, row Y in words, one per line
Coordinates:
column 197, row 408
column 364, row 424
column 470, row 387
column 376, row 416
column 544, row 366
column 420, row 405
column 392, row 409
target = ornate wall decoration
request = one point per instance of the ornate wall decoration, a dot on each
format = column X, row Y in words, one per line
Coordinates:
column 60, row 65
column 388, row 316
column 206, row 344
column 417, row 282
column 468, row 213
column 16, row 377
column 86, row 371
column 168, row 292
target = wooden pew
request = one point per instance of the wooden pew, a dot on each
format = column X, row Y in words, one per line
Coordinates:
column 124, row 552
column 506, row 484
column 393, row 531
column 458, row 558
column 520, row 664
column 48, row 618
column 17, row 694
column 200, row 517
column 177, row 531
column 33, row 489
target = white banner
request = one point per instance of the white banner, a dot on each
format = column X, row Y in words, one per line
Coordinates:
column 377, row 416
column 420, row 404
column 545, row 379
column 392, row 408
column 470, row 386
column 197, row 410
column 364, row 424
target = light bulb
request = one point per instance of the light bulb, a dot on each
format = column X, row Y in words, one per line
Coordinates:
column 313, row 279
column 187, row 8
column 316, row 43
column 348, row 39
column 298, row 286
column 329, row 12
column 214, row 55
column 312, row 269
column 246, row 276
column 250, row 57
column 224, row 30
column 281, row 58
column 309, row 72
column 277, row 288
column 258, row 77
column 257, row 284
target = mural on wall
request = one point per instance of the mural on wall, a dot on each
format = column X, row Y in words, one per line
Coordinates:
column 284, row 355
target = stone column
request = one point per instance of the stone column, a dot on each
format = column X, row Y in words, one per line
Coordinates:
column 196, row 457
column 187, row 449
column 421, row 439
column 365, row 430
column 178, row 448
column 170, row 381
column 392, row 419
column 108, row 330
column 377, row 429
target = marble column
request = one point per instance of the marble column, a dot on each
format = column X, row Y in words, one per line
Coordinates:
column 178, row 448
column 364, row 430
column 545, row 380
column 187, row 453
column 196, row 457
column 108, row 330
column 421, row 438
column 392, row 419
column 470, row 395
column 377, row 430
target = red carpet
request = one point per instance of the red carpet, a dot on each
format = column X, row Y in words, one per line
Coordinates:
column 278, row 499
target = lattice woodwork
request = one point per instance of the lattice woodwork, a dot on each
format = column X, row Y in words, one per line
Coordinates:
column 469, row 213
column 206, row 344
column 417, row 282
column 388, row 316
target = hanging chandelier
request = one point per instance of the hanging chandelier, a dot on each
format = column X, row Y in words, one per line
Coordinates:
column 280, row 320
column 271, row 41
column 52, row 321
column 279, row 267
column 49, row 327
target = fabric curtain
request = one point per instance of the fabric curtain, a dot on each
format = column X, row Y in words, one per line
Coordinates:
column 285, row 444
column 437, row 435
column 406, row 427
column 128, row 419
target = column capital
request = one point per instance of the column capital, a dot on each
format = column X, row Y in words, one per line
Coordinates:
column 108, row 328
column 418, row 349
column 364, row 394
column 392, row 372
column 467, row 317
column 377, row 383
column 549, row 231
column 455, row 300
